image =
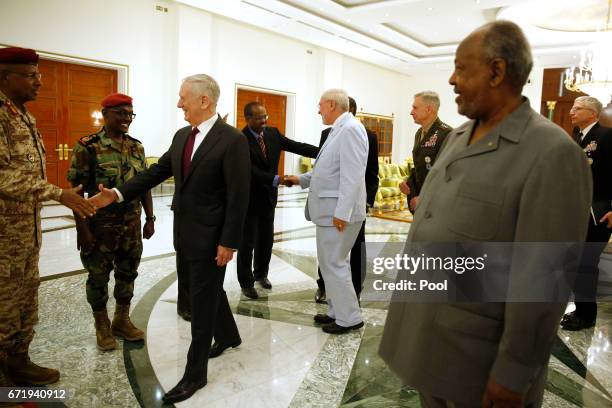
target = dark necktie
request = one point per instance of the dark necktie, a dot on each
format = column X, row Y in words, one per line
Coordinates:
column 262, row 145
column 188, row 151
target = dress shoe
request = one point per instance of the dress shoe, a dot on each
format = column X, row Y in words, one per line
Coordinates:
column 250, row 293
column 185, row 315
column 320, row 296
column 568, row 316
column 265, row 283
column 323, row 319
column 333, row 328
column 575, row 323
column 183, row 390
column 218, row 348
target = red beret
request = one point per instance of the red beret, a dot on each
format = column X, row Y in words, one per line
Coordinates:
column 16, row 55
column 116, row 99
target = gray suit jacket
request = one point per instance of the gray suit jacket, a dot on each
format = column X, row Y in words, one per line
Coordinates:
column 524, row 181
column 337, row 180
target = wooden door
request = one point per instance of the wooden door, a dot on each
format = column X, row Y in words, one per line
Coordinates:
column 553, row 90
column 68, row 108
column 383, row 127
column 276, row 106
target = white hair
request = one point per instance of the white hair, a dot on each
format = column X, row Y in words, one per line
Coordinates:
column 590, row 103
column 339, row 96
column 430, row 98
column 204, row 85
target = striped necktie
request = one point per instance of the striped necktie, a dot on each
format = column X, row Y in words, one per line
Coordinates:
column 262, row 145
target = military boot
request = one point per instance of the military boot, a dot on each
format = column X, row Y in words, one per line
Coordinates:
column 123, row 326
column 23, row 371
column 104, row 337
column 5, row 380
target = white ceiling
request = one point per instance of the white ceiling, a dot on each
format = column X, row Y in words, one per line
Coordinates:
column 415, row 36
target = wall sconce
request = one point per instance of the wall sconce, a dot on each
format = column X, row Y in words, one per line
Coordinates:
column 97, row 117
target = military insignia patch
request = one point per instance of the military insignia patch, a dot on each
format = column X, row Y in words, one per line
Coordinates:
column 431, row 142
column 591, row 147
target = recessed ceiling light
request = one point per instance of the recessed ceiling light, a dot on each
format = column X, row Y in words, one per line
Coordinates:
column 429, row 8
column 386, row 14
column 477, row 1
column 321, row 8
column 348, row 21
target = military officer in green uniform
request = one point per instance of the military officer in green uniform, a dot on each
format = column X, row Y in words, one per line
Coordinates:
column 427, row 143
column 111, row 239
column 23, row 189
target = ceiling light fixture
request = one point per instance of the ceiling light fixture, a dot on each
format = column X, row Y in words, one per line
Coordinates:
column 593, row 74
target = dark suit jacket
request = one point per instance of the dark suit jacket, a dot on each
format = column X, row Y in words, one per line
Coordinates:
column 371, row 173
column 263, row 169
column 597, row 145
column 210, row 203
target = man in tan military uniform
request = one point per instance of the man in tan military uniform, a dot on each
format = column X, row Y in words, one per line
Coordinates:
column 427, row 143
column 111, row 239
column 23, row 188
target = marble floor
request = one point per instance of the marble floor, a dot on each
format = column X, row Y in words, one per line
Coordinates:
column 284, row 360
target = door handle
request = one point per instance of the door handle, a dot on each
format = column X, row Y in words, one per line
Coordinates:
column 60, row 150
column 66, row 152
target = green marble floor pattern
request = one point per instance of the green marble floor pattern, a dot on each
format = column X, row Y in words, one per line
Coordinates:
column 371, row 384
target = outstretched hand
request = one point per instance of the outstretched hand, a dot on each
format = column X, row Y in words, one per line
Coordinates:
column 71, row 198
column 607, row 218
column 105, row 197
column 290, row 181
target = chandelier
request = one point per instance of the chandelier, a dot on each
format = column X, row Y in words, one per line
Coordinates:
column 593, row 74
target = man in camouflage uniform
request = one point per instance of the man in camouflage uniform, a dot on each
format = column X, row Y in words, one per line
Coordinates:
column 428, row 141
column 23, row 188
column 111, row 239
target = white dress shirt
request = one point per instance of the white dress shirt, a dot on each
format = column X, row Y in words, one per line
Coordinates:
column 586, row 130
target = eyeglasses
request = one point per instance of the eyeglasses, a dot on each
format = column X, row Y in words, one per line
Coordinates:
column 124, row 113
column 578, row 108
column 262, row 117
column 29, row 75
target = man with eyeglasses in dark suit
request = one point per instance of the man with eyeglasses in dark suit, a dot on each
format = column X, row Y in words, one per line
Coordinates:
column 265, row 145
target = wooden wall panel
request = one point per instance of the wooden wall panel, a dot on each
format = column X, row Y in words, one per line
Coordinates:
column 89, row 83
column 46, row 111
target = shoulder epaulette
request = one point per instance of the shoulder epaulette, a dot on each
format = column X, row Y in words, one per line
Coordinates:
column 7, row 103
column 90, row 139
column 134, row 139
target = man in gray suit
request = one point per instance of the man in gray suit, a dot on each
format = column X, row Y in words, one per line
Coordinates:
column 337, row 205
column 496, row 180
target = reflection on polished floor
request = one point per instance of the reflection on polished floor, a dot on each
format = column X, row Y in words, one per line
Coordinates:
column 284, row 361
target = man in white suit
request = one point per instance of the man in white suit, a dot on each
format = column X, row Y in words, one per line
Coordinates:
column 336, row 204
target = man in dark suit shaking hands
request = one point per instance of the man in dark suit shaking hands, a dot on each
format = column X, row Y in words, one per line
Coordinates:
column 210, row 162
column 265, row 144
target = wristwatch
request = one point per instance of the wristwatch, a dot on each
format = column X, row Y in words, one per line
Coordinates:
column 153, row 218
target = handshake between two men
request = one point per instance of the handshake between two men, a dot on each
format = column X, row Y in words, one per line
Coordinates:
column 289, row 181
column 83, row 207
